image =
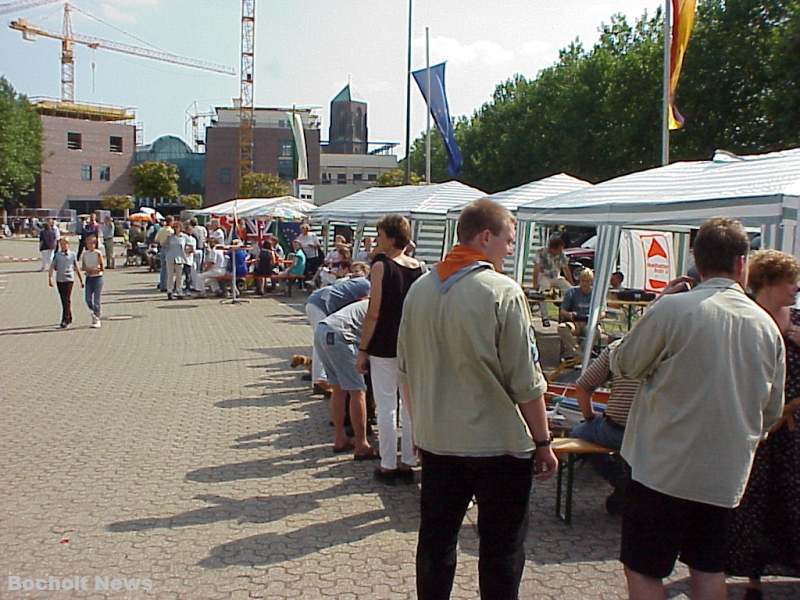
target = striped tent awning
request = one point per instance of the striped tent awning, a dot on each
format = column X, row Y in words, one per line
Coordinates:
column 531, row 192
column 415, row 202
column 756, row 189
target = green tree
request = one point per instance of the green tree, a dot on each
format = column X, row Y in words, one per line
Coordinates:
column 20, row 145
column 155, row 179
column 190, row 201
column 117, row 203
column 596, row 112
column 263, row 185
column 396, row 177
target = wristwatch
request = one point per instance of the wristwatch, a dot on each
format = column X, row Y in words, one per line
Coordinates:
column 543, row 443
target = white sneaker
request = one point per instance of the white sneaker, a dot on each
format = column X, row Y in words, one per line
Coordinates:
column 95, row 321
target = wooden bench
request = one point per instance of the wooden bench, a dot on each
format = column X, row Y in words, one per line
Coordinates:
column 572, row 448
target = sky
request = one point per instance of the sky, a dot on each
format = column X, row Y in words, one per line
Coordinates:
column 306, row 51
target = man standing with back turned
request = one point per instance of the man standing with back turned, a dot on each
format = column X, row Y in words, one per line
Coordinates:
column 467, row 359
column 690, row 446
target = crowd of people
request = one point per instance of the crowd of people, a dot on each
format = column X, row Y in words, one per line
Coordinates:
column 705, row 474
column 454, row 351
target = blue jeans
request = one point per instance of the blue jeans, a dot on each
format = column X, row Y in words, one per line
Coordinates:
column 94, row 287
column 599, row 431
column 162, row 276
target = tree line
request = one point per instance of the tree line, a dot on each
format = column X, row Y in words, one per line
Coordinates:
column 596, row 113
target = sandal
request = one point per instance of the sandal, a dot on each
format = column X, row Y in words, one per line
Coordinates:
column 370, row 454
column 346, row 448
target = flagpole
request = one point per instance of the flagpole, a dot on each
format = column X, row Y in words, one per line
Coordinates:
column 408, row 101
column 428, row 125
column 665, row 94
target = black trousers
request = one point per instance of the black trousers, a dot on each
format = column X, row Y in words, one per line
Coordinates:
column 501, row 486
column 65, row 293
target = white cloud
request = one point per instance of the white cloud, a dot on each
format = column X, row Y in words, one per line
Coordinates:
column 122, row 11
column 536, row 48
column 375, row 86
column 482, row 52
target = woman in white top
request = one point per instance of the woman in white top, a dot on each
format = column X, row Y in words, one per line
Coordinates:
column 175, row 255
column 311, row 247
column 92, row 265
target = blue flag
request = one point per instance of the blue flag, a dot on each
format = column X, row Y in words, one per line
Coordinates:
column 440, row 111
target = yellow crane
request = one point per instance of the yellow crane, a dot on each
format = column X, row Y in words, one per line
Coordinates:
column 68, row 38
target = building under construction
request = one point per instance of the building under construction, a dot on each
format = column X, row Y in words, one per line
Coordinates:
column 88, row 152
column 273, row 149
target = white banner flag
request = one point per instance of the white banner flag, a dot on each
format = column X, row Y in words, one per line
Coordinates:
column 300, row 143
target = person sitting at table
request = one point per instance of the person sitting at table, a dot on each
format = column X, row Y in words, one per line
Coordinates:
column 365, row 253
column 298, row 267
column 336, row 270
column 214, row 265
column 574, row 314
column 614, row 286
column 265, row 267
column 237, row 256
column 334, row 257
column 606, row 429
column 551, row 270
column 276, row 247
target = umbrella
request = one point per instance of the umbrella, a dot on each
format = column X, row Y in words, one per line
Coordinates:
column 150, row 211
column 140, row 217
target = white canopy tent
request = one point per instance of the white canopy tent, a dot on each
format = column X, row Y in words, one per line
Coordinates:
column 425, row 206
column 283, row 207
column 759, row 190
column 527, row 194
column 264, row 208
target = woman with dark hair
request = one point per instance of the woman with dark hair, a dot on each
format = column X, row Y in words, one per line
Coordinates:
column 391, row 276
column 764, row 537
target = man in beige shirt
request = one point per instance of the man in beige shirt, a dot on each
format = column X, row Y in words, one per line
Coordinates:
column 467, row 359
column 712, row 365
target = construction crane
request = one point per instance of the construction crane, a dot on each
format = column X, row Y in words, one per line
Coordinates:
column 68, row 38
column 197, row 120
column 246, row 111
column 9, row 7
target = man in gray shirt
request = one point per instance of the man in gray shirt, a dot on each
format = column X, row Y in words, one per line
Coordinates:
column 107, row 229
column 336, row 340
column 690, row 446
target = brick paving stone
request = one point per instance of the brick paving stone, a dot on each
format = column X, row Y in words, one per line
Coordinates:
column 174, row 445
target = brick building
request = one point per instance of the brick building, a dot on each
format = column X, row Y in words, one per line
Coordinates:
column 273, row 149
column 88, row 152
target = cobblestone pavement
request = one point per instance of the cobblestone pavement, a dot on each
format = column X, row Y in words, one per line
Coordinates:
column 175, row 450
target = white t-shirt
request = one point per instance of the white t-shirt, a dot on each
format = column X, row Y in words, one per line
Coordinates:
column 200, row 233
column 218, row 235
column 310, row 244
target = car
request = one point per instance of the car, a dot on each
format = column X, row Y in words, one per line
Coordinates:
column 581, row 257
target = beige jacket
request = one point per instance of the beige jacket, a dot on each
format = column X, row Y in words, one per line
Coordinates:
column 712, row 367
column 467, row 352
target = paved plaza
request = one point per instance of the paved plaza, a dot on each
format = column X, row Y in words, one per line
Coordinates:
column 174, row 454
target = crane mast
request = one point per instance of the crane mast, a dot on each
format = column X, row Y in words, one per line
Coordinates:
column 246, row 111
